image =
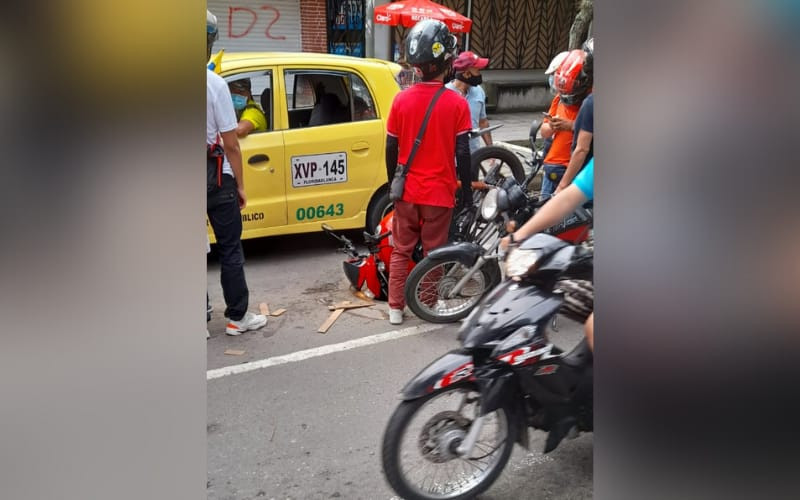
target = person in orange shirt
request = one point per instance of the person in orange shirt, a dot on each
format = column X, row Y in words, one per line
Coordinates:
column 573, row 85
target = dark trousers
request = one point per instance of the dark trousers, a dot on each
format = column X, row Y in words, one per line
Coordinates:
column 223, row 212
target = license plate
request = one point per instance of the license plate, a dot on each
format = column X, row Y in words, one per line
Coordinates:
column 313, row 170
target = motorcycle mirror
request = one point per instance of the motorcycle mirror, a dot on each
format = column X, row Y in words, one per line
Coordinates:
column 535, row 126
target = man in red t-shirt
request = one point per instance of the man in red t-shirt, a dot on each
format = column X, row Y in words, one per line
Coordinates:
column 426, row 207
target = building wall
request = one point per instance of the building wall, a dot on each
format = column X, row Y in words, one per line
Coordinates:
column 253, row 25
column 513, row 34
column 313, row 25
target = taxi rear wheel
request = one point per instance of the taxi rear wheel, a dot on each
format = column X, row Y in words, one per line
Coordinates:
column 377, row 210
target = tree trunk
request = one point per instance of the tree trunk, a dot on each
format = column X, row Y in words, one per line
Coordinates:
column 580, row 27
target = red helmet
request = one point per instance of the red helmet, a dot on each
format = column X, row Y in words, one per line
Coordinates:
column 571, row 81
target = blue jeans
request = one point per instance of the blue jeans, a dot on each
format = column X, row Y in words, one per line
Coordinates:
column 222, row 208
column 550, row 179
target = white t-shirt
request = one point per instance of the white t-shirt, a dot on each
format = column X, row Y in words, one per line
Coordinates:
column 220, row 116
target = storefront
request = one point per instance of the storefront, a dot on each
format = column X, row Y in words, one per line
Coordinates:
column 519, row 37
column 346, row 27
column 513, row 34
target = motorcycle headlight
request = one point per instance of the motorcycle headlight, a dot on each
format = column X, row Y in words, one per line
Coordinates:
column 521, row 262
column 489, row 205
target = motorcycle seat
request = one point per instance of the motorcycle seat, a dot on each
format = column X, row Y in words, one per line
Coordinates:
column 579, row 356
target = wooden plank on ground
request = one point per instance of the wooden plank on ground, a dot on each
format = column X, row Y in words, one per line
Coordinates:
column 278, row 312
column 264, row 308
column 234, row 352
column 348, row 305
column 331, row 319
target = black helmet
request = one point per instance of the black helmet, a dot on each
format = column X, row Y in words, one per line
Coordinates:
column 588, row 65
column 430, row 47
column 242, row 84
column 211, row 31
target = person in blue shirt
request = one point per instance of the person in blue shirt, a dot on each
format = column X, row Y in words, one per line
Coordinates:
column 554, row 211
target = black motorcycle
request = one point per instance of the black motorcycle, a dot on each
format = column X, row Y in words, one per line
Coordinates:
column 453, row 432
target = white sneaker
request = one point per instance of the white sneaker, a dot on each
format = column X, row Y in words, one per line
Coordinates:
column 396, row 316
column 250, row 321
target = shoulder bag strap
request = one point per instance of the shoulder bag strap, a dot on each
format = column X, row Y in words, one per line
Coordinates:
column 422, row 128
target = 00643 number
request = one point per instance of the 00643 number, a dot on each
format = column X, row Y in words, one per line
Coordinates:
column 319, row 212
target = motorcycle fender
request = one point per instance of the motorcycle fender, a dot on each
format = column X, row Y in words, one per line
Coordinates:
column 363, row 270
column 352, row 269
column 465, row 252
column 501, row 390
column 455, row 366
column 497, row 390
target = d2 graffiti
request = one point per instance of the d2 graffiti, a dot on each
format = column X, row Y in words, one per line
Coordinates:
column 268, row 12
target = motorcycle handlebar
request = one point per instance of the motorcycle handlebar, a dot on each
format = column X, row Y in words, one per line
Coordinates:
column 476, row 132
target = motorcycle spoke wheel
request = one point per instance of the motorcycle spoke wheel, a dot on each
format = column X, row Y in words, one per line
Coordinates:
column 426, row 461
column 431, row 290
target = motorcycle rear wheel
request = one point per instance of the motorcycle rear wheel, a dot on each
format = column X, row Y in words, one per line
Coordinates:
column 431, row 279
column 429, row 444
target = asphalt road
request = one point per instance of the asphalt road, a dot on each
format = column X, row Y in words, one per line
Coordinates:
column 311, row 427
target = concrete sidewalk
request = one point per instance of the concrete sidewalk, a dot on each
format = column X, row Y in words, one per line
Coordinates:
column 516, row 126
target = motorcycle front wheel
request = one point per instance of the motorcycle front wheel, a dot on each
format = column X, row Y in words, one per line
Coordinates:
column 419, row 458
column 502, row 160
column 432, row 279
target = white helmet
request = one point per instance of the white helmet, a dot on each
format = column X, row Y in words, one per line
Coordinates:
column 211, row 31
column 556, row 62
column 554, row 65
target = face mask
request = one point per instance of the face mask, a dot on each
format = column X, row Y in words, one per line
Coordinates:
column 472, row 80
column 239, row 101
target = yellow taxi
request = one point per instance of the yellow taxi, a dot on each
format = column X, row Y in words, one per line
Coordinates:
column 321, row 158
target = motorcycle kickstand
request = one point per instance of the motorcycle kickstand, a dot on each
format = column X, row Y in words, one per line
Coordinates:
column 463, row 281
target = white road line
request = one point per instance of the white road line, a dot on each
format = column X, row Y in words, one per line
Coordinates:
column 319, row 351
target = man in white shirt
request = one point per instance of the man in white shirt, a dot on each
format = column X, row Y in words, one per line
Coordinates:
column 226, row 197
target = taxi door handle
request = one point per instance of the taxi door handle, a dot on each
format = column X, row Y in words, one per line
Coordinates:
column 257, row 159
column 360, row 146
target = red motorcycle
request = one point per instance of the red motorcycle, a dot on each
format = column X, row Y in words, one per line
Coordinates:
column 370, row 272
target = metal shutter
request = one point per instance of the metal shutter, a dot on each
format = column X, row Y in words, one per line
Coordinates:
column 256, row 25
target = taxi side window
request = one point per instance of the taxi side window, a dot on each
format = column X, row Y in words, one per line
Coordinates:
column 363, row 103
column 317, row 98
column 259, row 101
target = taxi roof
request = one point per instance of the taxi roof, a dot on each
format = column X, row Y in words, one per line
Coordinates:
column 237, row 60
